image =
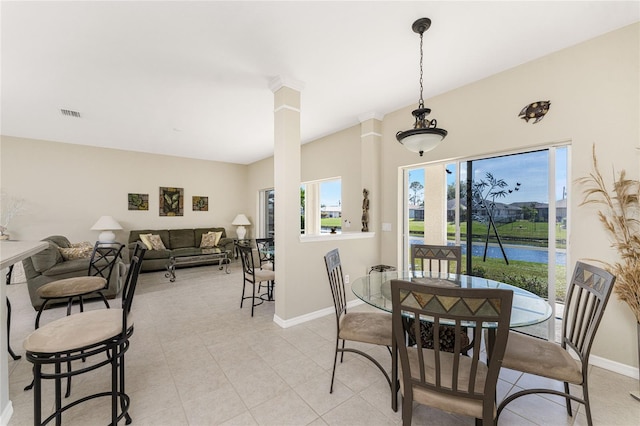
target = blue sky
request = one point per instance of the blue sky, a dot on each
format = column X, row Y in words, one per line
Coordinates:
column 330, row 192
column 530, row 170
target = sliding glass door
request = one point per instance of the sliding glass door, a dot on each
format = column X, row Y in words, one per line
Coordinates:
column 508, row 213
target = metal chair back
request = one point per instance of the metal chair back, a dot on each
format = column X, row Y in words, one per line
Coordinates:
column 449, row 380
column 433, row 258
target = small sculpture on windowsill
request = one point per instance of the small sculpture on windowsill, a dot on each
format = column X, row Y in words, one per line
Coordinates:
column 365, row 210
column 333, row 229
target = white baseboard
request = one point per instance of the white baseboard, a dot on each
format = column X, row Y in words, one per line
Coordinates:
column 6, row 414
column 311, row 316
column 616, row 367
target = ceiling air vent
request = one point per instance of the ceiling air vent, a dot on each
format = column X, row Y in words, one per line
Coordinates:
column 70, row 113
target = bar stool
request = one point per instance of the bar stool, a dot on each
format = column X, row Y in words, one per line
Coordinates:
column 84, row 335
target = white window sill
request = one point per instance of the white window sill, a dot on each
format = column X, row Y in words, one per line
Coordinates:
column 332, row 237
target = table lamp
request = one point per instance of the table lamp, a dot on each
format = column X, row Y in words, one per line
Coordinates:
column 240, row 221
column 107, row 225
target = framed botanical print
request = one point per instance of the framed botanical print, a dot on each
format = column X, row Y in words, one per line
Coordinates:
column 171, row 201
column 138, row 201
column 200, row 204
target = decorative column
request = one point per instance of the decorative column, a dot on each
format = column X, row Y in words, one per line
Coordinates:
column 370, row 142
column 286, row 164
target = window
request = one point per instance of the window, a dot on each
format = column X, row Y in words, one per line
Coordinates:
column 509, row 212
column 321, row 206
column 267, row 213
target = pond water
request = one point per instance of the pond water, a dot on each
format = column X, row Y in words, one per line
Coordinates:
column 523, row 253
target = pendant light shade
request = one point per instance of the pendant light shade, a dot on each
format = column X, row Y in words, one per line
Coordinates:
column 425, row 134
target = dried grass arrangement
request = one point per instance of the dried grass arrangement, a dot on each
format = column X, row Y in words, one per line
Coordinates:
column 620, row 214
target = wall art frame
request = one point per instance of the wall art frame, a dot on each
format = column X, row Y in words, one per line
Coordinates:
column 138, row 201
column 171, row 201
column 200, row 203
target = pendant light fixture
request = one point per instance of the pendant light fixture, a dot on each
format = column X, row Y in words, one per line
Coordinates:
column 425, row 134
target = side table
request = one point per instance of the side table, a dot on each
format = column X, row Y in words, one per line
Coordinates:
column 248, row 242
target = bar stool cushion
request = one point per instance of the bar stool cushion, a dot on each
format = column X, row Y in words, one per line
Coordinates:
column 367, row 327
column 76, row 331
column 267, row 266
column 69, row 287
column 263, row 275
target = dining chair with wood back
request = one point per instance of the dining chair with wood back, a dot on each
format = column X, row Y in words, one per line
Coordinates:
column 363, row 327
column 585, row 302
column 448, row 380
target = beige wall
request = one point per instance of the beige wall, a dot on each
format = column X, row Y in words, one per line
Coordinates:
column 594, row 91
column 334, row 156
column 67, row 187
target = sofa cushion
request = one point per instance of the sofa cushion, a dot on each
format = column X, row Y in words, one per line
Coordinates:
column 157, row 254
column 47, row 257
column 76, row 265
column 181, row 238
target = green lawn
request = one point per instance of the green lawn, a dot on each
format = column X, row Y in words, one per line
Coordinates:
column 521, row 232
column 331, row 221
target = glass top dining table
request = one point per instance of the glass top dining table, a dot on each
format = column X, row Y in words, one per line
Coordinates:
column 375, row 289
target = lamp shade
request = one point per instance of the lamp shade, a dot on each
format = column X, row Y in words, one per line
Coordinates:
column 106, row 224
column 421, row 140
column 241, row 220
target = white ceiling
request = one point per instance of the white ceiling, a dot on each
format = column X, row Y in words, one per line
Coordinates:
column 191, row 79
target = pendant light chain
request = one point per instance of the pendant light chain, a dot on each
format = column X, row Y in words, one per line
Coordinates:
column 421, row 102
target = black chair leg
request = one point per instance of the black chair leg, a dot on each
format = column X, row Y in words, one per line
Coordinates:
column 13, row 354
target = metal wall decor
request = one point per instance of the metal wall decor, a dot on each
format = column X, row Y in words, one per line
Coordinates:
column 171, row 201
column 535, row 110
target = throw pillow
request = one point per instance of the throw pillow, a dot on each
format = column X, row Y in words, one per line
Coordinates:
column 81, row 244
column 72, row 253
column 218, row 236
column 208, row 240
column 145, row 238
column 156, row 242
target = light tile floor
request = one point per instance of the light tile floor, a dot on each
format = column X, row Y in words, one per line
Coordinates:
column 196, row 358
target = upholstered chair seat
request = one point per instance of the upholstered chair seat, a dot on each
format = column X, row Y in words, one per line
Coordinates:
column 366, row 327
column 568, row 362
column 542, row 358
column 70, row 287
column 76, row 331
